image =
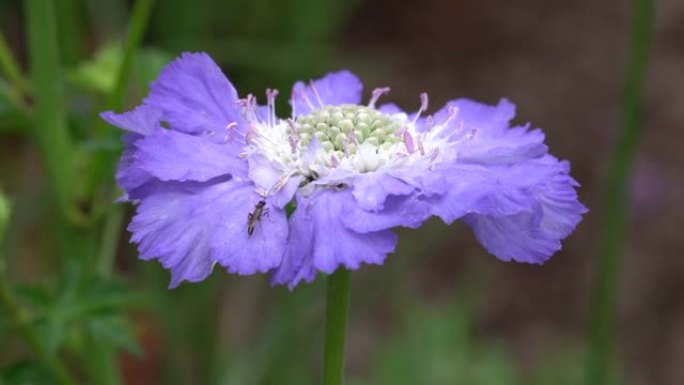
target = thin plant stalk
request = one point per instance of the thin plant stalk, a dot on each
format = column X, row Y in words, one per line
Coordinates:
column 336, row 315
column 614, row 233
column 50, row 128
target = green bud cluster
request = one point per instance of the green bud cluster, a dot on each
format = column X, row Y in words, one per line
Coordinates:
column 335, row 125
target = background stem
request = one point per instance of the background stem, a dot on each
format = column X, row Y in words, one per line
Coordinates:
column 604, row 300
column 336, row 315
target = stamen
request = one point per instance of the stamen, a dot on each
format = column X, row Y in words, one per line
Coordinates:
column 271, row 95
column 408, row 142
column 420, row 147
column 315, row 92
column 429, row 123
column 452, row 112
column 294, row 140
column 333, row 159
column 434, row 154
column 423, row 106
column 377, row 93
column 293, row 126
column 251, row 133
column 303, row 95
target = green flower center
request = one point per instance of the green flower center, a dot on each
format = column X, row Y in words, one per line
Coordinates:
column 342, row 128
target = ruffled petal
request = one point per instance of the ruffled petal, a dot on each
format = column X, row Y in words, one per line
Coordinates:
column 129, row 177
column 171, row 155
column 191, row 226
column 141, row 120
column 372, row 188
column 534, row 234
column 297, row 264
column 240, row 252
column 398, row 211
column 331, row 90
column 268, row 178
column 335, row 244
column 479, row 133
column 515, row 237
column 320, row 241
column 196, row 97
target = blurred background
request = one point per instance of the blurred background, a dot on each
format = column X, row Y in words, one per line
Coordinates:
column 441, row 310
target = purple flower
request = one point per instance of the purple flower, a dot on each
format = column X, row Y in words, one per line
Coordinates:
column 213, row 175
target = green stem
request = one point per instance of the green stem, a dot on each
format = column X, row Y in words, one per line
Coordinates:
column 110, row 239
column 51, row 128
column 605, row 292
column 336, row 310
column 134, row 34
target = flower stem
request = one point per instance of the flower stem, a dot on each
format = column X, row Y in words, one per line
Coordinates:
column 137, row 26
column 336, row 311
column 50, row 127
column 605, row 292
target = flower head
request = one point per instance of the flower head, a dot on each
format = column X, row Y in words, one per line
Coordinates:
column 212, row 175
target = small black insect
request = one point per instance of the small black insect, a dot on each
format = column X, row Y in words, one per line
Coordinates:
column 255, row 216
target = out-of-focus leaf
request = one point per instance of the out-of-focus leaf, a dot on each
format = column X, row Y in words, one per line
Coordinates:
column 436, row 348
column 4, row 215
column 99, row 74
column 25, row 372
column 80, row 307
column 567, row 366
column 115, row 329
column 12, row 120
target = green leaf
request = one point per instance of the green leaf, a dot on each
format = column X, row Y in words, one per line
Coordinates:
column 4, row 215
column 26, row 372
column 99, row 74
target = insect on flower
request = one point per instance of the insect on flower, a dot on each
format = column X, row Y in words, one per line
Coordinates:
column 198, row 159
column 255, row 216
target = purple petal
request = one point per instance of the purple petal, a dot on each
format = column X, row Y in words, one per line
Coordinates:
column 481, row 189
column 189, row 227
column 398, row 211
column 297, row 264
column 240, row 252
column 335, row 244
column 142, row 120
column 480, row 133
column 320, row 241
column 128, row 176
column 331, row 90
column 534, row 234
column 171, row 155
column 515, row 237
column 196, row 97
column 268, row 177
column 372, row 188
column 390, row 109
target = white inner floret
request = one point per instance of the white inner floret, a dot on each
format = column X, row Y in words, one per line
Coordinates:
column 348, row 138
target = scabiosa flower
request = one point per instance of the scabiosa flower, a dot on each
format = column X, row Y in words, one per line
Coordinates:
column 213, row 175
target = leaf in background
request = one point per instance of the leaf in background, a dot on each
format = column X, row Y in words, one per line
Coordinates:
column 99, row 74
column 436, row 348
column 4, row 215
column 12, row 120
column 25, row 372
